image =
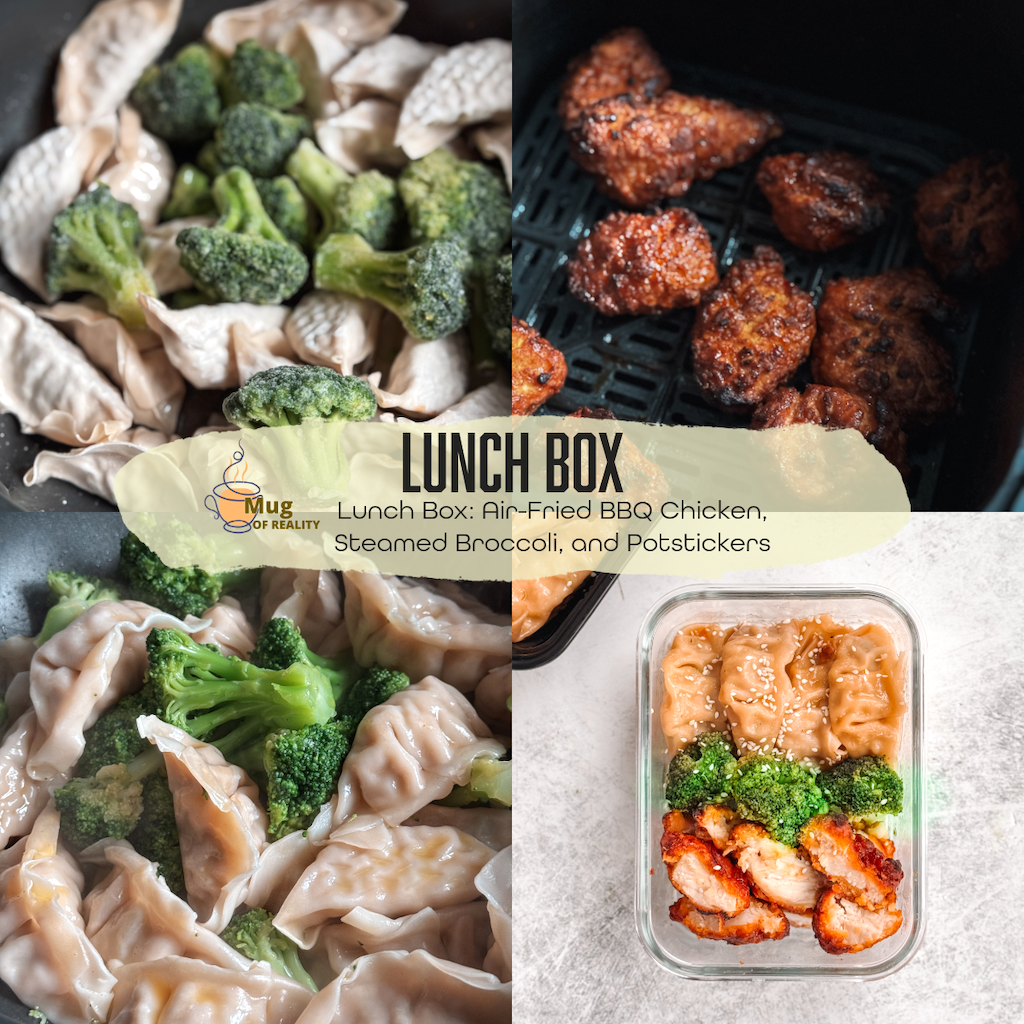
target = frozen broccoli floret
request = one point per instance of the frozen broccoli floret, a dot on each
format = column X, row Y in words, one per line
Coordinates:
column 780, row 794
column 422, row 286
column 366, row 204
column 190, row 195
column 255, row 137
column 700, row 773
column 863, row 785
column 93, row 247
column 287, row 208
column 497, row 296
column 490, row 783
column 285, row 395
column 258, row 75
column 450, row 198
column 178, row 100
column 186, row 591
column 253, row 934
column 244, row 257
column 73, row 594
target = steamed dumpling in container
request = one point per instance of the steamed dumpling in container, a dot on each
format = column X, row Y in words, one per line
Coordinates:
column 422, row 631
column 104, row 57
column 387, row 70
column 692, row 672
column 143, row 171
column 311, row 598
column 426, row 377
column 45, row 955
column 534, row 601
column 39, row 181
column 363, row 137
column 411, row 750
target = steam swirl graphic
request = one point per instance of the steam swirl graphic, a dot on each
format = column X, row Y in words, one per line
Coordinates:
column 227, row 502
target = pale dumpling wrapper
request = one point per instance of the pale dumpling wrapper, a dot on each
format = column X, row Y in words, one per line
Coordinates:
column 496, row 141
column 491, row 825
column 534, row 601
column 692, row 674
column 41, row 179
column 494, row 399
column 363, row 137
column 426, row 377
column 335, row 330
column 22, row 798
column 228, row 628
column 495, row 882
column 319, row 54
column 161, row 255
column 386, row 70
column 49, row 384
column 491, row 699
column 311, row 598
column 257, row 350
column 141, row 170
column 104, row 57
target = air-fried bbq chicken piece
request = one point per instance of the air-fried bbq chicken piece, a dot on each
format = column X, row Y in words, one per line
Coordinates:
column 751, row 332
column 874, row 341
column 758, row 923
column 967, row 217
column 842, row 926
column 857, row 869
column 777, row 873
column 821, row 201
column 835, row 409
column 723, row 134
column 643, row 263
column 538, row 369
column 638, row 153
column 710, row 881
column 584, row 412
column 715, row 822
column 622, row 62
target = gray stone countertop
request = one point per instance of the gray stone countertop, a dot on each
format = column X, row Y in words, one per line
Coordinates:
column 577, row 953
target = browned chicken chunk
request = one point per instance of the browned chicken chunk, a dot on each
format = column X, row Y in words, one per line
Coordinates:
column 752, row 332
column 715, row 822
column 758, row 923
column 538, row 369
column 821, row 201
column 874, row 340
column 835, row 409
column 777, row 873
column 723, row 134
column 857, row 869
column 967, row 218
column 643, row 263
column 710, row 881
column 638, row 153
column 622, row 62
column 842, row 926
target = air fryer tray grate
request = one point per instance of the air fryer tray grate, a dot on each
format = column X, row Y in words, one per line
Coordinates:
column 640, row 367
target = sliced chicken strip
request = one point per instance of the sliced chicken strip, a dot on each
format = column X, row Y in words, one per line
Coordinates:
column 842, row 926
column 858, row 870
column 799, row 920
column 716, row 823
column 676, row 821
column 758, row 923
column 777, row 872
column 712, row 882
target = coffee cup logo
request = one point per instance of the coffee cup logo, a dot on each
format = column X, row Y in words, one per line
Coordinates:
column 229, row 498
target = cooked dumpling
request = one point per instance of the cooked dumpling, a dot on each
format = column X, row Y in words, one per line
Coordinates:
column 144, row 170
column 131, row 916
column 414, row 988
column 692, row 671
column 495, row 882
column 319, row 53
column 405, row 624
column 363, row 137
column 311, row 598
column 806, row 729
column 229, row 629
column 280, row 866
column 333, row 329
column 162, row 257
column 534, row 601
column 426, row 377
column 134, row 360
column 865, row 699
column 491, row 825
column 22, row 798
column 411, row 750
column 392, row 870
column 48, row 383
column 755, row 686
column 221, row 825
column 491, row 699
column 388, row 70
column 44, row 954
column 104, row 57
column 15, row 657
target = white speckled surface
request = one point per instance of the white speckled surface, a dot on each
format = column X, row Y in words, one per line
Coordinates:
column 577, row 954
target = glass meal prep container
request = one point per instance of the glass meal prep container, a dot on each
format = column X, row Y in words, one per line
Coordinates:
column 798, row 956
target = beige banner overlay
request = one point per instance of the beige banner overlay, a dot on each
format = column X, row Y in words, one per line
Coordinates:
column 508, row 498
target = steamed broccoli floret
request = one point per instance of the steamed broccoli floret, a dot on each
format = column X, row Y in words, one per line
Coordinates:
column 155, row 836
column 302, row 767
column 115, row 739
column 285, row 395
column 450, row 198
column 780, row 794
column 94, row 248
column 244, row 257
column 422, row 286
column 186, row 591
column 255, row 137
column 497, row 302
column 366, row 204
column 373, row 687
column 253, row 934
column 280, row 644
column 227, row 701
column 863, row 785
column 700, row 773
column 178, row 100
column 73, row 594
column 490, row 782
column 287, row 208
column 257, row 75
column 190, row 195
